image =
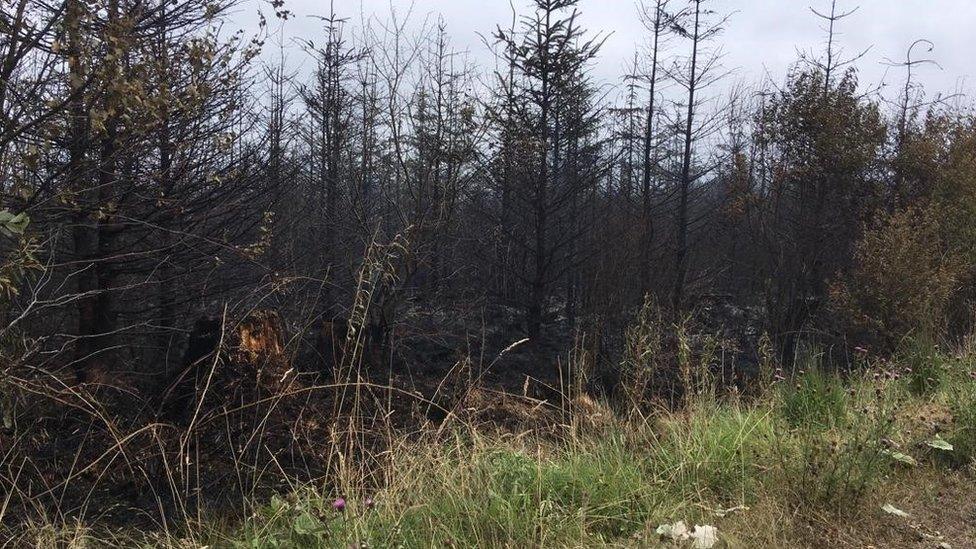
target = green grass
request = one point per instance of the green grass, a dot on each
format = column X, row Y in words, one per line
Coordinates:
column 815, row 400
column 928, row 369
column 960, row 397
column 713, row 451
column 482, row 493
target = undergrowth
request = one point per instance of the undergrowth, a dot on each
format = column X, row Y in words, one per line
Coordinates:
column 816, row 445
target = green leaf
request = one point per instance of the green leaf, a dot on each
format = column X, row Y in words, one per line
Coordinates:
column 892, row 510
column 278, row 505
column 940, row 443
column 900, row 457
column 13, row 224
column 305, row 524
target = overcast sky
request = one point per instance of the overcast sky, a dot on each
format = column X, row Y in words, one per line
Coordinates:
column 762, row 36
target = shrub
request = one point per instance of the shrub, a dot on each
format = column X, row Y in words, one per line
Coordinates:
column 901, row 282
column 666, row 360
column 643, row 357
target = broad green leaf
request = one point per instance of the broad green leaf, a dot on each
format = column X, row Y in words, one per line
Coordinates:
column 892, row 510
column 278, row 505
column 13, row 224
column 306, row 524
column 940, row 443
column 900, row 457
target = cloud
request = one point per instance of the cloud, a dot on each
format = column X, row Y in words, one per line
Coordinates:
column 762, row 36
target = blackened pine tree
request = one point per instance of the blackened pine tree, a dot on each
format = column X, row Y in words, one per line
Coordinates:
column 553, row 107
column 702, row 69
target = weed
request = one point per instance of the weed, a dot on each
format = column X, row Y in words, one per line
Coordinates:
column 926, row 365
column 814, row 400
column 829, row 449
column 962, row 437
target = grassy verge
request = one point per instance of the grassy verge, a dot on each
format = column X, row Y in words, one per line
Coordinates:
column 810, row 464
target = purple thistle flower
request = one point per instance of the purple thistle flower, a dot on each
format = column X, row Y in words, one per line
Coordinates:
column 339, row 504
column 370, row 503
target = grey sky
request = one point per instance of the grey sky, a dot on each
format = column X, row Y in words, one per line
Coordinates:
column 762, row 35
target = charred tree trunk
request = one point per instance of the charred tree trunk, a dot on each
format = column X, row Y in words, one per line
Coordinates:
column 681, row 253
